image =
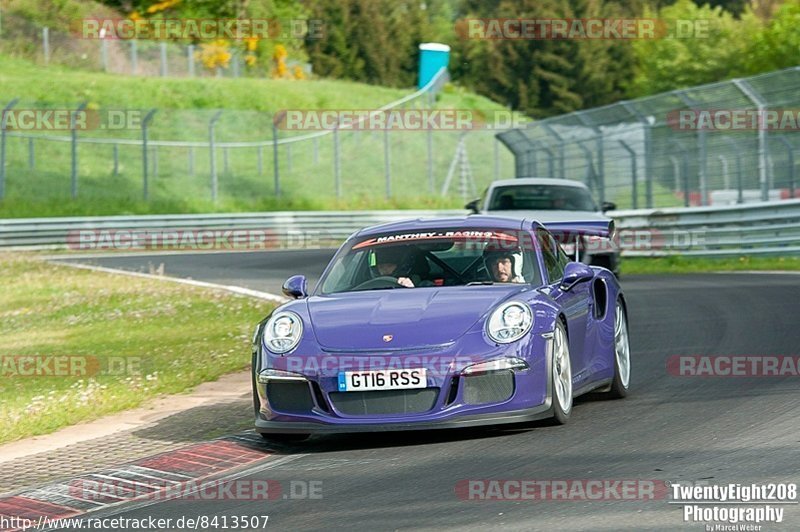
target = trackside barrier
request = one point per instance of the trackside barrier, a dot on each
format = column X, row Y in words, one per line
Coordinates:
column 770, row 228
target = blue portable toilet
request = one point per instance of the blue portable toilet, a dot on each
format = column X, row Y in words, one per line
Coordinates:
column 432, row 57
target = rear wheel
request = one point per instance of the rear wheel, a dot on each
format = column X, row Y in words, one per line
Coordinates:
column 622, row 354
column 561, row 376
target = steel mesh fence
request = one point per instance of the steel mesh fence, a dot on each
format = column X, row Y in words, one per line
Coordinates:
column 645, row 153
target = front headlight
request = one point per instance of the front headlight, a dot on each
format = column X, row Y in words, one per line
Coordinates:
column 282, row 332
column 509, row 322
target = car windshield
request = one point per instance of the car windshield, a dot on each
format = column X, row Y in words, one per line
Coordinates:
column 432, row 258
column 541, row 198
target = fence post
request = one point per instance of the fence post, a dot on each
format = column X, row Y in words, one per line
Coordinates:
column 590, row 175
column 761, row 106
column 225, row 163
column 550, row 161
column 634, row 187
column 46, row 44
column 676, row 173
column 496, row 153
column 134, row 57
column 3, row 121
column 561, row 154
column 74, row 151
column 276, row 163
column 726, row 178
column 387, row 163
column 790, row 156
column 191, row 161
column 429, row 142
column 600, row 176
column 145, row 123
column 738, row 155
column 104, row 54
column 337, row 174
column 116, row 159
column 190, row 59
column 163, row 49
column 31, row 156
column 155, row 161
column 213, row 155
column 648, row 163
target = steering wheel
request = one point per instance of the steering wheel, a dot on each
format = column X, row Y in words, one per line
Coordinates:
column 384, row 281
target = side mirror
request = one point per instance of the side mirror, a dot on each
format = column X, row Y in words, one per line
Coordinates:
column 575, row 273
column 295, row 287
column 608, row 206
column 472, row 206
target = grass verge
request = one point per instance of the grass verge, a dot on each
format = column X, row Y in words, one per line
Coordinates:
column 106, row 343
column 669, row 265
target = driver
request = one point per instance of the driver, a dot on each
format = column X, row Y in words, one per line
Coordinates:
column 501, row 265
column 387, row 264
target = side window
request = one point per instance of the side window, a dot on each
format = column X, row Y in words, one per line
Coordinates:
column 554, row 259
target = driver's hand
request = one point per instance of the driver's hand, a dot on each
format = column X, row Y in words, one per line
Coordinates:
column 405, row 281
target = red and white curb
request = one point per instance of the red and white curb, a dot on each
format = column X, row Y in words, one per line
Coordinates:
column 147, row 478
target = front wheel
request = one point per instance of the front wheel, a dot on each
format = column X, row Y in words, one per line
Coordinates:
column 561, row 376
column 622, row 354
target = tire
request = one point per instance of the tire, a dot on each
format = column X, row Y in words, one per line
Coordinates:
column 561, row 376
column 622, row 354
column 285, row 438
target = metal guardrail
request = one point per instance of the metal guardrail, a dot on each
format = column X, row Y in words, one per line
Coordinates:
column 768, row 228
column 280, row 229
column 752, row 229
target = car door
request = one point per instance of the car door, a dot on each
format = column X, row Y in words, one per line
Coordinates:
column 575, row 303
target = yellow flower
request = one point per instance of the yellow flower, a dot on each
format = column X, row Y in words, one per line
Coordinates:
column 251, row 43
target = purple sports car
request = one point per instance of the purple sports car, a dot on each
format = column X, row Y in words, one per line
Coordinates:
column 441, row 323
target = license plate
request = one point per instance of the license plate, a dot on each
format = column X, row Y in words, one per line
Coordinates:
column 384, row 379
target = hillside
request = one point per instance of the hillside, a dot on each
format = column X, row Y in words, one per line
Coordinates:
column 185, row 108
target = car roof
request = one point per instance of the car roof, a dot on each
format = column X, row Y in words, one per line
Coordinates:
column 476, row 221
column 538, row 181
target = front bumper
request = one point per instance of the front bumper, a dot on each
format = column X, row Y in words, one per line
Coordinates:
column 543, row 411
column 451, row 399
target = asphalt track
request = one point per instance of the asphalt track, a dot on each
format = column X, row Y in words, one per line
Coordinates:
column 679, row 429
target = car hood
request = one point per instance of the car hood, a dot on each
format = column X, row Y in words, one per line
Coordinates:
column 555, row 216
column 413, row 317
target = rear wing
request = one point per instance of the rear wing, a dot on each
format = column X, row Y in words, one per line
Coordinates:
column 568, row 231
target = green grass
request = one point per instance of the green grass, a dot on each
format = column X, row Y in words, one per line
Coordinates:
column 185, row 108
column 678, row 264
column 171, row 336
